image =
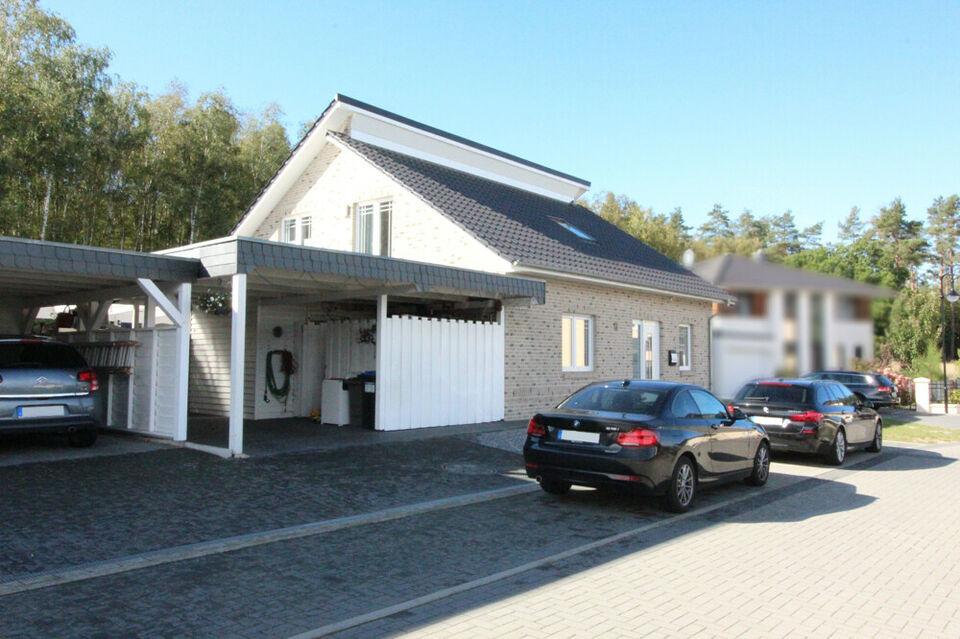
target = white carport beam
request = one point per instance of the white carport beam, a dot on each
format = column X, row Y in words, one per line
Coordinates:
column 336, row 296
column 166, row 305
column 117, row 293
column 97, row 317
column 238, row 330
column 27, row 317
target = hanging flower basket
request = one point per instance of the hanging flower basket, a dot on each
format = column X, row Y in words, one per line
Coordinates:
column 214, row 302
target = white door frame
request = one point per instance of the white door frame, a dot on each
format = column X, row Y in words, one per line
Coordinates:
column 645, row 329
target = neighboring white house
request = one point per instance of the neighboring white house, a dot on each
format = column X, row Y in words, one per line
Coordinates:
column 786, row 321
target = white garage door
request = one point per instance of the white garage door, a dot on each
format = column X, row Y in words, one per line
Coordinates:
column 736, row 363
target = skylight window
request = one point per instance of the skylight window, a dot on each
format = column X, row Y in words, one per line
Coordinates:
column 580, row 233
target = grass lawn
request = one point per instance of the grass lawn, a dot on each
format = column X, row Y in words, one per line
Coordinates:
column 918, row 432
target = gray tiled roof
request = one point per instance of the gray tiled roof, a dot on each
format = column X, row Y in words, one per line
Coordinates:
column 735, row 272
column 19, row 254
column 521, row 226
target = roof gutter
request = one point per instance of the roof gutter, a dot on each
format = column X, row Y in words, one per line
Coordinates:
column 519, row 268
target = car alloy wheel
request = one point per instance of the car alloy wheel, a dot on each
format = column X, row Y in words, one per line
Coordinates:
column 840, row 443
column 763, row 463
column 877, row 444
column 684, row 487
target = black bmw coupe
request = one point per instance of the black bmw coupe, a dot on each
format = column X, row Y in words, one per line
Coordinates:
column 660, row 438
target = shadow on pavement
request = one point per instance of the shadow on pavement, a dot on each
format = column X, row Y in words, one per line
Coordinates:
column 819, row 496
column 907, row 459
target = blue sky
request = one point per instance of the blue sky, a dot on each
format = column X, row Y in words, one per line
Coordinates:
column 808, row 106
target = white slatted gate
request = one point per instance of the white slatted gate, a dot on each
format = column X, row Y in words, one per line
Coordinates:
column 438, row 372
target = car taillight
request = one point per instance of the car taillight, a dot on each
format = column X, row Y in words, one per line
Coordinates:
column 638, row 437
column 89, row 377
column 885, row 389
column 535, row 428
column 809, row 416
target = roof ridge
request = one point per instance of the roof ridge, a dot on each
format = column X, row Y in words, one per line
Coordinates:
column 457, row 138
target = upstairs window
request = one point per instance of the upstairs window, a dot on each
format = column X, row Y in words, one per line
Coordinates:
column 306, row 229
column 373, row 227
column 290, row 231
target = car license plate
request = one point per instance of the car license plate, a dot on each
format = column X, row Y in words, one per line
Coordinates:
column 40, row 411
column 579, row 436
column 769, row 421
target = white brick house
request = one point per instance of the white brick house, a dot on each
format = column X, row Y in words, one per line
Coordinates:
column 786, row 321
column 364, row 180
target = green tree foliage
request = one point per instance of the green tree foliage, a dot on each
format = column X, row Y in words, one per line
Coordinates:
column 943, row 230
column 87, row 158
column 914, row 323
column 667, row 233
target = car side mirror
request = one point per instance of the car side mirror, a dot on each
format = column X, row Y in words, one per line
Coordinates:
column 735, row 413
column 861, row 401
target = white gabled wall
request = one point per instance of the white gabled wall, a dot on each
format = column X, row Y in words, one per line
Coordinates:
column 337, row 179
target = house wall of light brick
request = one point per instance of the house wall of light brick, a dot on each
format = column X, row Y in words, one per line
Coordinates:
column 534, row 374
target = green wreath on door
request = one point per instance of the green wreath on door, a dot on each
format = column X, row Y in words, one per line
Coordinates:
column 288, row 366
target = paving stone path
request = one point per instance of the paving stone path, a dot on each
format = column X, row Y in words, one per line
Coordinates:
column 865, row 550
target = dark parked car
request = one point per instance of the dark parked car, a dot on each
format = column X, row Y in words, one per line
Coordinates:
column 659, row 438
column 46, row 386
column 812, row 416
column 880, row 390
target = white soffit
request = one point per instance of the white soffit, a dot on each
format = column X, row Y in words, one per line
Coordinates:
column 396, row 136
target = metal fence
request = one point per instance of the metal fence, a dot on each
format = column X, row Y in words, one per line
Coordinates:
column 936, row 389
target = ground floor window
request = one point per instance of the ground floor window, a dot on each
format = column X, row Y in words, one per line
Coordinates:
column 683, row 350
column 646, row 349
column 577, row 342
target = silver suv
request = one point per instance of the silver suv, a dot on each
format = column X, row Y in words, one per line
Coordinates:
column 46, row 386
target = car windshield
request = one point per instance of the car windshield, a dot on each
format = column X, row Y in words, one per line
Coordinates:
column 38, row 355
column 616, row 398
column 886, row 381
column 773, row 393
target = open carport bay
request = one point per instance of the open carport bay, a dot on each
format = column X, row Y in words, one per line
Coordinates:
column 143, row 369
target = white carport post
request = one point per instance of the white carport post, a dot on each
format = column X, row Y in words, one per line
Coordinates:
column 381, row 396
column 179, row 314
column 238, row 329
column 184, row 291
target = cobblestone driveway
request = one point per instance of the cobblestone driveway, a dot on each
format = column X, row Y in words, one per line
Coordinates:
column 852, row 552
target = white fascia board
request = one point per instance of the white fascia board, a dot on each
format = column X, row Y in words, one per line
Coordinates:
column 596, row 280
column 566, row 190
column 289, row 174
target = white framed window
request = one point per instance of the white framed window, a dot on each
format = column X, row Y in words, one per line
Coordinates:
column 683, row 350
column 306, row 229
column 290, row 230
column 372, row 231
column 576, row 337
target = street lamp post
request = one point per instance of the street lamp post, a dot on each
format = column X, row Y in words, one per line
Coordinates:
column 951, row 297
